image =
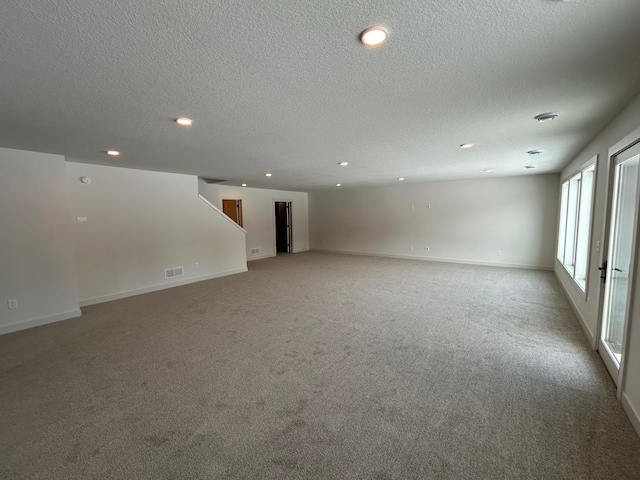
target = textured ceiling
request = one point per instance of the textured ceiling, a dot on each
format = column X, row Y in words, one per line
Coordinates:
column 284, row 85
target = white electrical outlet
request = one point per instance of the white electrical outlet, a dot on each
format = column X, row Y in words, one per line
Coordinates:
column 499, row 253
column 413, row 206
column 197, row 265
column 12, row 304
column 411, row 247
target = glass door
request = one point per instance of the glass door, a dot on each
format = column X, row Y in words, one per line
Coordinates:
column 619, row 262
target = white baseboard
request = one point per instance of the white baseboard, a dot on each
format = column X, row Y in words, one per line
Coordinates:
column 154, row 288
column 260, row 257
column 439, row 260
column 36, row 322
column 632, row 413
column 583, row 323
column 270, row 255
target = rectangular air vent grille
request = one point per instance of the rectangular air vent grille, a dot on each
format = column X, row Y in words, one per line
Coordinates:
column 173, row 272
column 255, row 251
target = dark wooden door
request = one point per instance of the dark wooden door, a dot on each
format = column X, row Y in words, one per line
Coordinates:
column 283, row 227
column 233, row 210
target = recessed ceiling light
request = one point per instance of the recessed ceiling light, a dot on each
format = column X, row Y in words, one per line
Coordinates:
column 545, row 117
column 467, row 145
column 338, row 184
column 529, row 166
column 374, row 36
column 487, row 170
column 267, row 174
column 401, row 179
column 113, row 153
column 534, row 152
column 244, row 184
column 343, row 164
column 187, row 122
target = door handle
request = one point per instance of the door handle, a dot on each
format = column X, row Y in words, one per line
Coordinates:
column 603, row 272
column 617, row 270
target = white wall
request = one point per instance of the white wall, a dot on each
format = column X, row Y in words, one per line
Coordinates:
column 587, row 306
column 36, row 247
column 469, row 220
column 258, row 214
column 140, row 223
column 631, row 385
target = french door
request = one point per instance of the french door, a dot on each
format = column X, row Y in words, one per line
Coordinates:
column 619, row 263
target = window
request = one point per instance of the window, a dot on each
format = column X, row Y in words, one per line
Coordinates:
column 576, row 198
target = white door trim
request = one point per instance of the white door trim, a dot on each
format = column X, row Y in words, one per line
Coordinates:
column 627, row 142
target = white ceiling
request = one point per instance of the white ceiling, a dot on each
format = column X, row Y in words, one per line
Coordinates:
column 284, row 86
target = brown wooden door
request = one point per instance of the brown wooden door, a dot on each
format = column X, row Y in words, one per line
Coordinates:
column 283, row 227
column 233, row 210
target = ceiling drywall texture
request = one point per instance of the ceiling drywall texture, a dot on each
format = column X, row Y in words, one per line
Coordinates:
column 284, row 85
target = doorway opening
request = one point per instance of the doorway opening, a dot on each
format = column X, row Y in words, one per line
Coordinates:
column 283, row 227
column 232, row 208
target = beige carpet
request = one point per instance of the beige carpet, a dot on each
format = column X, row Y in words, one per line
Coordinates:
column 318, row 366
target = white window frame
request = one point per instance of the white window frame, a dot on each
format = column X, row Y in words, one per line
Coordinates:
column 575, row 223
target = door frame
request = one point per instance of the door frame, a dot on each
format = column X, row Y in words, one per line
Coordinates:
column 619, row 147
column 289, row 202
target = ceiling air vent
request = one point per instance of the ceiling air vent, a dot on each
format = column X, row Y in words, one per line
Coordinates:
column 212, row 180
column 173, row 272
